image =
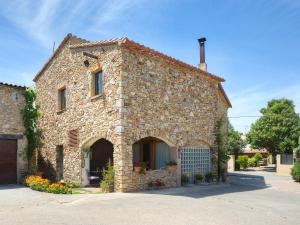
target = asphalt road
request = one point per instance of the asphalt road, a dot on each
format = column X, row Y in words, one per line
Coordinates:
column 248, row 198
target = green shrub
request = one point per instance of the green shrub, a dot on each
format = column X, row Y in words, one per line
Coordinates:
column 258, row 157
column 252, row 162
column 209, row 177
column 184, row 179
column 199, row 177
column 242, row 160
column 108, row 176
column 296, row 172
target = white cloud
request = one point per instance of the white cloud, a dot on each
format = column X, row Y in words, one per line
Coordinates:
column 46, row 21
column 34, row 18
column 111, row 11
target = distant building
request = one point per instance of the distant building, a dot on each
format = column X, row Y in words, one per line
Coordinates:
column 12, row 141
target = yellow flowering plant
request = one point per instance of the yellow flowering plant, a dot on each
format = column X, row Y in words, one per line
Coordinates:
column 41, row 184
column 37, row 183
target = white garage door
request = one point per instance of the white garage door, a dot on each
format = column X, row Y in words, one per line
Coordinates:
column 195, row 160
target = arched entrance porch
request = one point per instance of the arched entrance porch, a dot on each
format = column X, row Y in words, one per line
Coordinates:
column 97, row 156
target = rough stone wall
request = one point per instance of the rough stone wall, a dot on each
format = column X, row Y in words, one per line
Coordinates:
column 166, row 101
column 141, row 181
column 93, row 117
column 11, row 103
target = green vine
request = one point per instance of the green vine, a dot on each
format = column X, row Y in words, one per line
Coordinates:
column 221, row 148
column 30, row 116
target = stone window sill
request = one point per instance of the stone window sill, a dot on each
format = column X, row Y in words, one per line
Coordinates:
column 95, row 97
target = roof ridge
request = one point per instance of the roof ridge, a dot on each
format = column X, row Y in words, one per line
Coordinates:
column 100, row 42
column 78, row 38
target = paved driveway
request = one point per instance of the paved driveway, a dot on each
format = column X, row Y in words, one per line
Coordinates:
column 248, row 198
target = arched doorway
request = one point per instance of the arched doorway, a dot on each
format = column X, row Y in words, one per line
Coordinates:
column 101, row 152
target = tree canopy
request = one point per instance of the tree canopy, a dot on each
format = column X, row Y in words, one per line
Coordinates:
column 235, row 142
column 278, row 128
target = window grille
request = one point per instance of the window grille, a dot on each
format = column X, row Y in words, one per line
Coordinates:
column 195, row 160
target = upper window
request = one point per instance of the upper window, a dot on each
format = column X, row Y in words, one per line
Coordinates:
column 62, row 99
column 98, row 83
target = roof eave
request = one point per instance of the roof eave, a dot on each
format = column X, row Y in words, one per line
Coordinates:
column 13, row 85
column 225, row 95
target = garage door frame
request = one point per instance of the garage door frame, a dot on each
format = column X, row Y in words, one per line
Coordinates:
column 8, row 163
column 17, row 138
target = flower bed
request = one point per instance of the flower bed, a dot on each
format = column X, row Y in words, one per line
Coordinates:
column 40, row 184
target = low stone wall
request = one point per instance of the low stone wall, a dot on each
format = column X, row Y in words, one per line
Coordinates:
column 231, row 163
column 283, row 169
column 141, row 181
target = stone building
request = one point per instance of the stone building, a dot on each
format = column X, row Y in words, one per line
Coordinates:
column 118, row 100
column 12, row 141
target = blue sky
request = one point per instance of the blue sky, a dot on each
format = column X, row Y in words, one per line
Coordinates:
column 253, row 44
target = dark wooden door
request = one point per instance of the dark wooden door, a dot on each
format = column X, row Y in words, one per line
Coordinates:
column 101, row 153
column 8, row 161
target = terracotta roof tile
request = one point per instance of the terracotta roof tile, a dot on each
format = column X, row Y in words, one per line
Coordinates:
column 12, row 85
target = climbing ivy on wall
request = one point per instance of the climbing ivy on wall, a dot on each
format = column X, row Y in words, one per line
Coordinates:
column 30, row 116
column 221, row 147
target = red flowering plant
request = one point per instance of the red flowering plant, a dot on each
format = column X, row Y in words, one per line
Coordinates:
column 158, row 183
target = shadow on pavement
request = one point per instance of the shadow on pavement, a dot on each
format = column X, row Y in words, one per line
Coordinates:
column 11, row 186
column 271, row 169
column 236, row 183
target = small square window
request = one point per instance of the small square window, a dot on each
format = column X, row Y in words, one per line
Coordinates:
column 98, row 83
column 62, row 99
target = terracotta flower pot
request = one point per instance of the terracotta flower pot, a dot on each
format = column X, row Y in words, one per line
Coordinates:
column 137, row 169
column 39, row 173
column 172, row 169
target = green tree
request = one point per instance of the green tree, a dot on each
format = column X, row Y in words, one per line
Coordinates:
column 277, row 129
column 298, row 148
column 235, row 142
column 30, row 115
column 220, row 139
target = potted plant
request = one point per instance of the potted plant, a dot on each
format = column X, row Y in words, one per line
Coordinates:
column 171, row 166
column 198, row 178
column 140, row 167
column 184, row 179
column 209, row 177
column 156, row 184
column 137, row 167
